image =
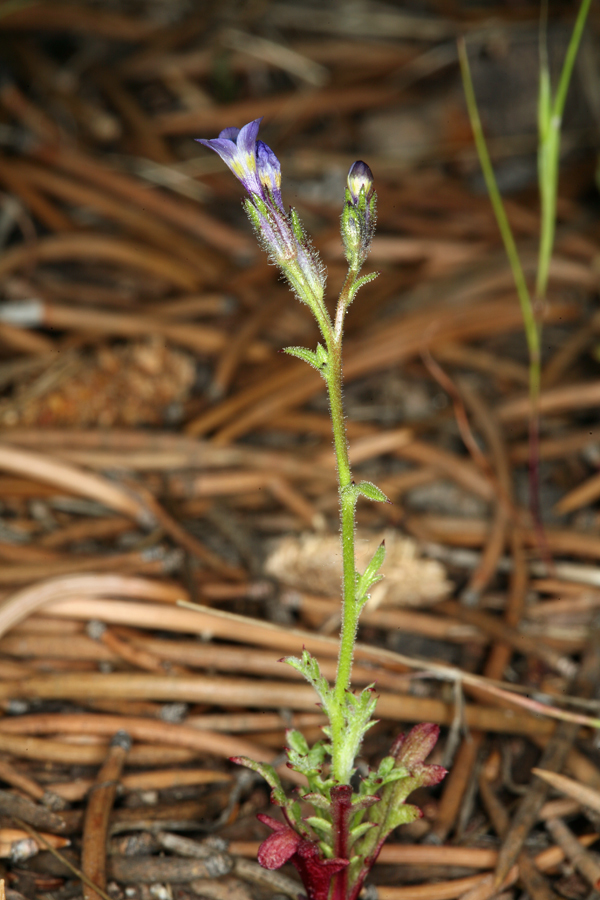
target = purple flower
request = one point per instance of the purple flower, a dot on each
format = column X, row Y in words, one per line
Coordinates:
column 251, row 161
column 280, row 232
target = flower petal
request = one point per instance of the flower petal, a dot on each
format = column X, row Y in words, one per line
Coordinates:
column 269, row 171
column 360, row 176
column 246, row 139
column 226, row 149
column 237, row 149
column 230, row 134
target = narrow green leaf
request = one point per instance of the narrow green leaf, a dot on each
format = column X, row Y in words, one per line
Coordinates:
column 385, row 766
column 371, row 492
column 309, row 356
column 278, row 796
column 319, row 825
column 356, row 833
column 317, row 800
column 321, row 354
column 401, row 815
column 360, row 282
column 296, row 741
column 364, row 279
column 371, row 574
column 544, row 104
column 544, row 110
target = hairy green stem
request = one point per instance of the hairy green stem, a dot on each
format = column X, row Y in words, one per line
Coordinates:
column 347, row 500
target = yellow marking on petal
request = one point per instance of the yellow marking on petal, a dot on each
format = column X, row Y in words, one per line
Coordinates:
column 270, row 182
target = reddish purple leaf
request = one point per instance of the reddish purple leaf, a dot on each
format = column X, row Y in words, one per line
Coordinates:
column 278, row 848
column 415, row 747
column 270, row 822
column 316, row 873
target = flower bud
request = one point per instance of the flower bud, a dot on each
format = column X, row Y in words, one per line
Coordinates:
column 360, row 178
column 359, row 214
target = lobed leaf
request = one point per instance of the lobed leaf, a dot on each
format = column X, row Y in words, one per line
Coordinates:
column 309, row 667
column 313, row 359
column 278, row 797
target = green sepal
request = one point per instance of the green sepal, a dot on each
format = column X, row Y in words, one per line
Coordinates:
column 362, row 201
column 371, row 492
column 351, row 230
column 373, row 210
column 261, row 206
column 253, row 215
column 297, row 226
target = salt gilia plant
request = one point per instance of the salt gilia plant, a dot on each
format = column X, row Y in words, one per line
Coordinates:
column 335, row 846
